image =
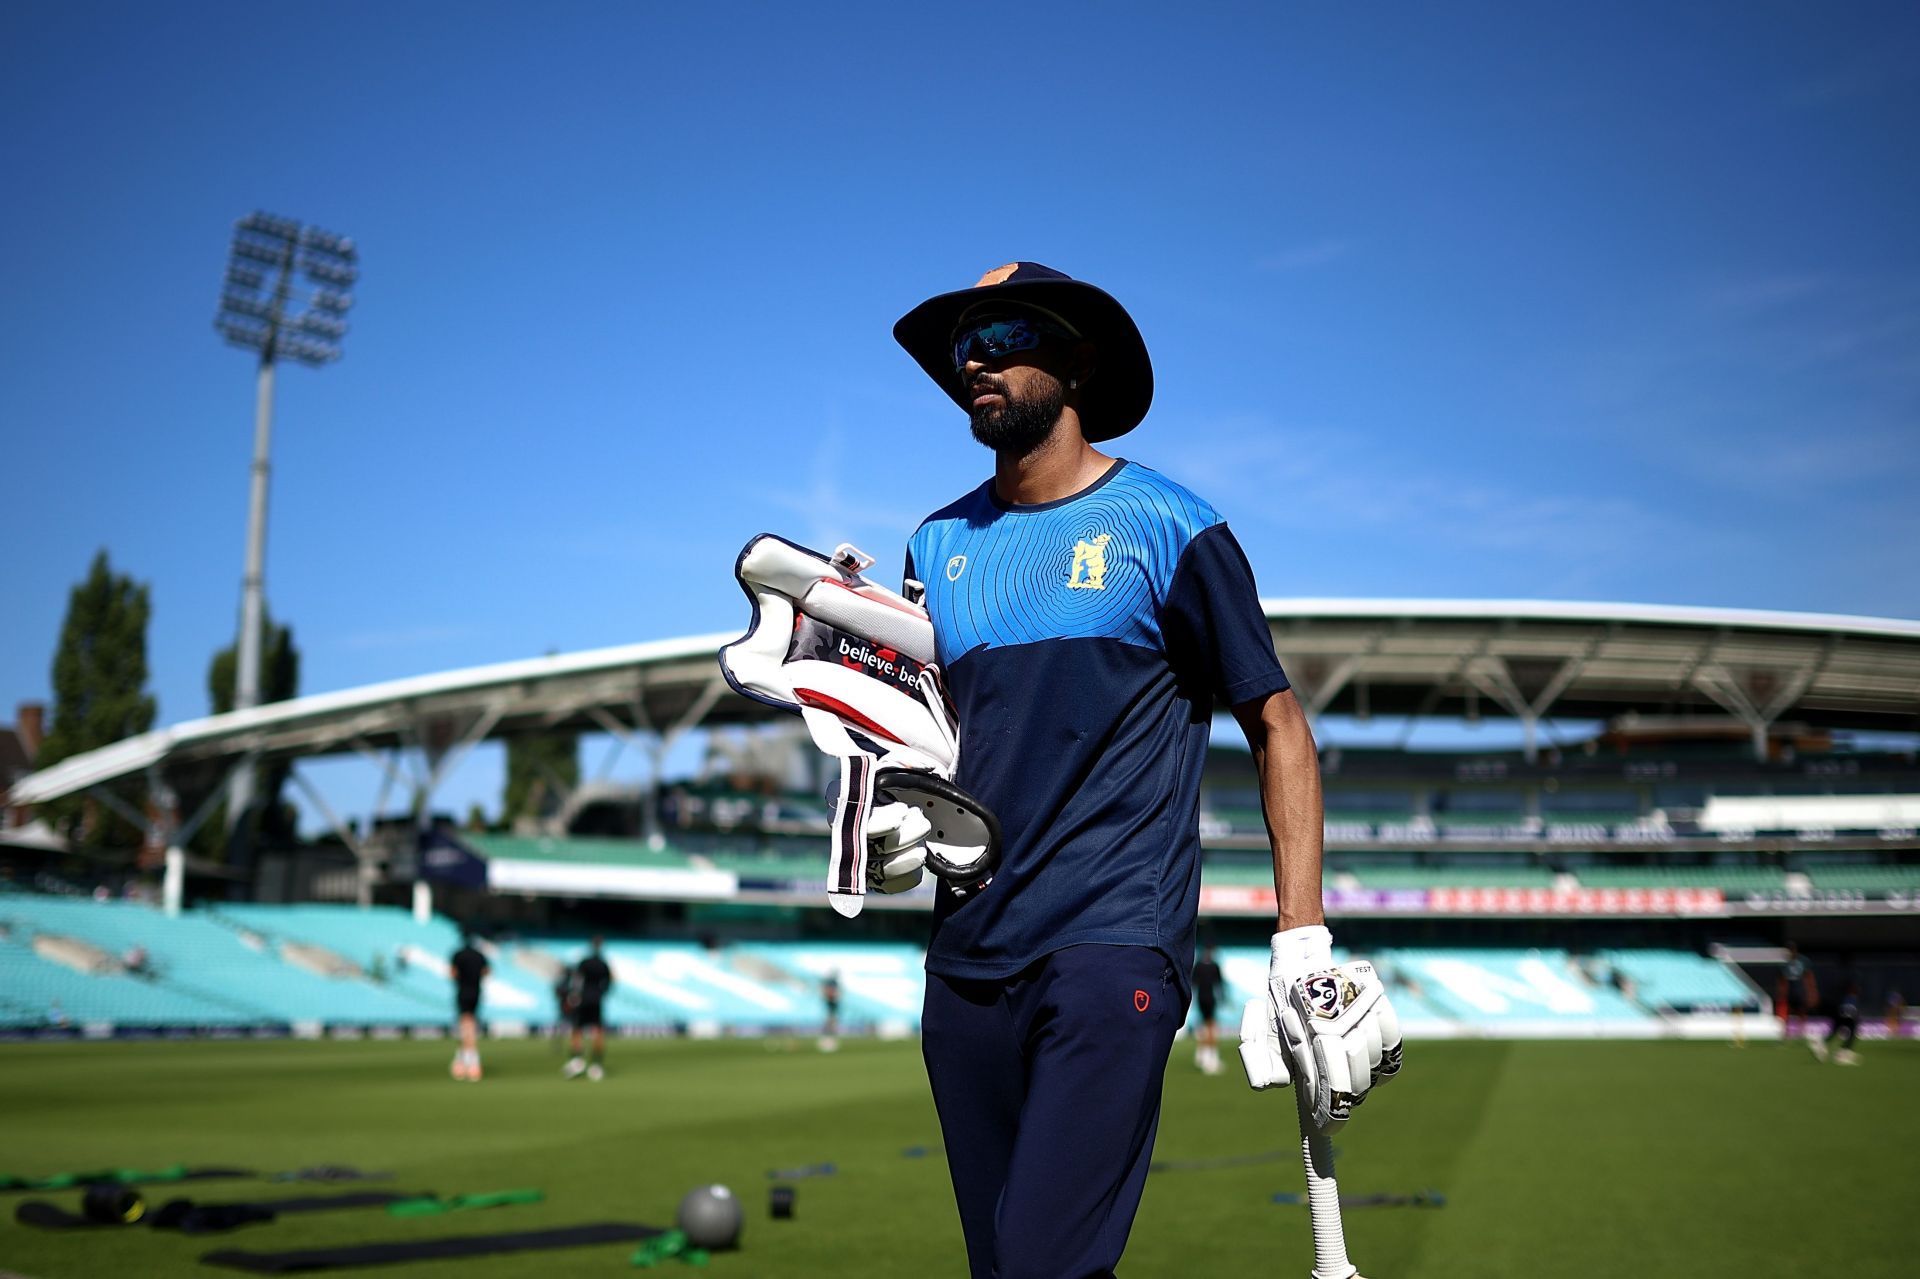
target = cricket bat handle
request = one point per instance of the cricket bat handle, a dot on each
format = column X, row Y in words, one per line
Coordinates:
column 1323, row 1199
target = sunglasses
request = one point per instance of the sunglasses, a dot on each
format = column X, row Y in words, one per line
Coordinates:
column 995, row 339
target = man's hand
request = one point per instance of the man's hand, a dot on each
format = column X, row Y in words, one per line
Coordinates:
column 896, row 847
column 1329, row 1026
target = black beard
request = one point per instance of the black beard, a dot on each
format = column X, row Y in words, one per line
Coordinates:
column 1020, row 425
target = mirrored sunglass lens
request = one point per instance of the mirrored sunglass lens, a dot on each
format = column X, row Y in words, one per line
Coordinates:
column 1002, row 337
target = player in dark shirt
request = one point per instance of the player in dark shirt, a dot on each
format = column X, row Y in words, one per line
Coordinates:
column 591, row 981
column 1089, row 614
column 1207, row 983
column 1846, row 1026
column 469, row 969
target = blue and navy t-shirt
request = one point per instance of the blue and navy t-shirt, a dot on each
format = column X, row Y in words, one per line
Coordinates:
column 1085, row 643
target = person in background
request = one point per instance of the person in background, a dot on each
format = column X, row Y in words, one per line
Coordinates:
column 1207, row 983
column 469, row 968
column 592, row 979
column 563, row 1006
column 1796, row 992
column 1846, row 1025
column 830, row 996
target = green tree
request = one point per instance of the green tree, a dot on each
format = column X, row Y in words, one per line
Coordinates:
column 99, row 686
column 275, row 820
column 540, row 768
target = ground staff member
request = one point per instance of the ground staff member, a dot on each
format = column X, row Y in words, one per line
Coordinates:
column 1089, row 613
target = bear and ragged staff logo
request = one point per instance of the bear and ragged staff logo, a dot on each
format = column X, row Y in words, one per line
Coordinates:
column 1089, row 571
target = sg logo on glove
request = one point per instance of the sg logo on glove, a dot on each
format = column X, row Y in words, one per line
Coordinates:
column 1327, row 1028
column 1327, row 997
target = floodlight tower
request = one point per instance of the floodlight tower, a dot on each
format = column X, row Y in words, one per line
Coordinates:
column 264, row 307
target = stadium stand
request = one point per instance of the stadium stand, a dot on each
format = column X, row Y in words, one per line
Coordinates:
column 576, row 848
column 412, row 956
column 1727, row 878
column 1452, row 876
column 1678, row 980
column 686, row 984
column 223, row 968
column 39, row 992
column 193, row 956
column 1528, row 991
column 882, row 985
column 1886, row 878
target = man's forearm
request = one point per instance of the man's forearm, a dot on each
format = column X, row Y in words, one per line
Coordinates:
column 1289, row 769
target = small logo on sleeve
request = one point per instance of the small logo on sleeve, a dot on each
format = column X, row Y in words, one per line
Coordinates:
column 1140, row 1001
column 955, row 567
column 1089, row 571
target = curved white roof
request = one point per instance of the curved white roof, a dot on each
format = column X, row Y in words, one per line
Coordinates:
column 1388, row 657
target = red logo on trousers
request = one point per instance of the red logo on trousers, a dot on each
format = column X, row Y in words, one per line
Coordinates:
column 1140, row 1001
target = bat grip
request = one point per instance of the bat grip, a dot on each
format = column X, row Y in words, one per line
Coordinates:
column 1323, row 1199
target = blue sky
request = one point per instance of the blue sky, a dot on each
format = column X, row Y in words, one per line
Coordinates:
column 1601, row 302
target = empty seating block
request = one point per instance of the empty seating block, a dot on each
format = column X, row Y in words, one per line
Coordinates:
column 1865, row 879
column 1509, row 988
column 1680, row 980
column 1518, row 876
column 413, row 956
column 1728, row 878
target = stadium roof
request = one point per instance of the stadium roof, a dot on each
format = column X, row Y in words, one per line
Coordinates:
column 1527, row 659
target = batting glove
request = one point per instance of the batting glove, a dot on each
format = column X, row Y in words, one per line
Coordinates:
column 896, row 847
column 1328, row 1025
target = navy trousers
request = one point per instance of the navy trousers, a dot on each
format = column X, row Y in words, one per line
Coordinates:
column 1048, row 1088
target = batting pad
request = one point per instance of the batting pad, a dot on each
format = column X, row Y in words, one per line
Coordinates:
column 856, row 662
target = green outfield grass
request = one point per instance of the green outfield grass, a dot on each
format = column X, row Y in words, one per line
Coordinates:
column 1557, row 1159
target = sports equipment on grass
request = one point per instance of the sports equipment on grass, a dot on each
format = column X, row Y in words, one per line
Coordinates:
column 121, row 1176
column 392, row 1251
column 109, row 1206
column 435, row 1205
column 711, row 1217
column 671, row 1246
column 856, row 662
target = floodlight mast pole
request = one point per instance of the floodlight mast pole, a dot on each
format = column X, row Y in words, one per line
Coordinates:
column 266, row 322
column 246, row 691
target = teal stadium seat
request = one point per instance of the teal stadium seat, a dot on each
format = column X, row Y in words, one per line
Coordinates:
column 1511, row 989
column 195, row 956
column 1680, row 980
column 420, row 984
column 881, row 983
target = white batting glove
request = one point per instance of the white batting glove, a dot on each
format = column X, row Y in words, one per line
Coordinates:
column 896, row 847
column 1328, row 1025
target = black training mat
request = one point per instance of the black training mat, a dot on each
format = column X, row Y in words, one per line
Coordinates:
column 121, row 1177
column 381, row 1254
column 38, row 1212
column 198, row 1218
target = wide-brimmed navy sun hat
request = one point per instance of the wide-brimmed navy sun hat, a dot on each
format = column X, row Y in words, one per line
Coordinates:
column 1112, row 399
